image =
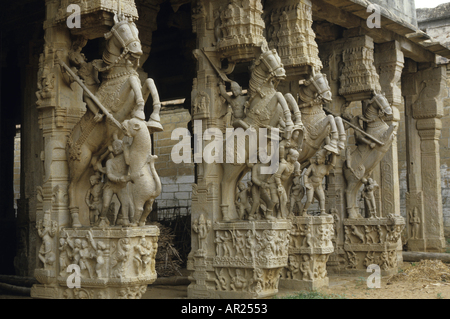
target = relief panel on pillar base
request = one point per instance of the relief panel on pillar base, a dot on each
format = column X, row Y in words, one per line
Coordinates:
column 111, row 263
column 248, row 259
column 310, row 245
column 372, row 241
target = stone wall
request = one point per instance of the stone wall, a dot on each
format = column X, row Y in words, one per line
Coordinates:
column 445, row 158
column 176, row 179
column 404, row 9
column 16, row 169
column 436, row 23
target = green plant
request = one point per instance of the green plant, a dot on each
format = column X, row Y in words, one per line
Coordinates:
column 361, row 281
column 439, row 296
column 311, row 295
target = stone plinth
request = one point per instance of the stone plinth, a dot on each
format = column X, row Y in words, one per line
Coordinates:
column 309, row 248
column 249, row 256
column 112, row 263
column 372, row 241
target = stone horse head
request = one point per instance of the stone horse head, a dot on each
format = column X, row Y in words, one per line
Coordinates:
column 316, row 87
column 122, row 42
column 379, row 100
column 266, row 68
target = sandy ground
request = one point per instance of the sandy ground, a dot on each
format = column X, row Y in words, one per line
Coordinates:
column 429, row 280
column 414, row 281
column 403, row 286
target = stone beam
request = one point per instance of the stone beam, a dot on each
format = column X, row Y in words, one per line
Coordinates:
column 414, row 43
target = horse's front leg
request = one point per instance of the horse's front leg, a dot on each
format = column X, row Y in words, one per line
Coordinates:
column 332, row 146
column 294, row 108
column 138, row 112
column 148, row 89
column 342, row 134
column 286, row 112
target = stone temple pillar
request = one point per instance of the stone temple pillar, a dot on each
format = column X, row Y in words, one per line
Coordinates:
column 389, row 61
column 423, row 86
column 83, row 260
column 358, row 73
column 231, row 257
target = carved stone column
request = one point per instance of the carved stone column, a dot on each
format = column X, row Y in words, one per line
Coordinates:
column 109, row 262
column 423, row 86
column 230, row 257
column 389, row 61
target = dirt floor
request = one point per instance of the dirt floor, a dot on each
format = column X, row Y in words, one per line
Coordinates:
column 424, row 280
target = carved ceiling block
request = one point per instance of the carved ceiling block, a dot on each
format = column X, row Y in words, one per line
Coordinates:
column 95, row 15
column 359, row 77
column 291, row 34
column 240, row 28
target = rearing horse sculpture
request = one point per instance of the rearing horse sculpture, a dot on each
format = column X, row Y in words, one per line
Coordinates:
column 362, row 161
column 122, row 95
column 318, row 126
column 266, row 108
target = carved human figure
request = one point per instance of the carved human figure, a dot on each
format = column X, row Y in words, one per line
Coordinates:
column 250, row 242
column 295, row 141
column 369, row 197
column 65, row 255
column 277, row 189
column 47, row 230
column 239, row 282
column 88, row 72
column 368, row 230
column 384, row 260
column 414, row 221
column 118, row 178
column 321, row 270
column 221, row 281
column 313, row 179
column 272, row 279
column 237, row 103
column 143, row 255
column 347, row 238
column 99, row 255
column 121, row 258
column 202, row 227
column 352, row 260
column 258, row 280
column 370, row 259
column 260, row 192
column 85, row 256
column 94, row 197
column 239, row 243
column 293, row 267
column 297, row 194
column 226, row 243
column 243, row 201
column 306, row 232
column 76, row 248
column 305, row 268
column 268, row 243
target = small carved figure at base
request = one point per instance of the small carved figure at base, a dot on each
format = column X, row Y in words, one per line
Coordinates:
column 313, row 179
column 369, row 197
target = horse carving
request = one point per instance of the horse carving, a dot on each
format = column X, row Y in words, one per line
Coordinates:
column 371, row 148
column 266, row 108
column 121, row 96
column 318, row 125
